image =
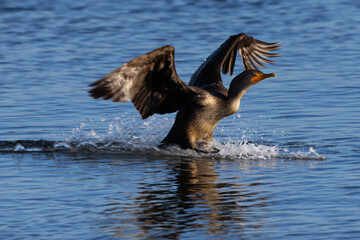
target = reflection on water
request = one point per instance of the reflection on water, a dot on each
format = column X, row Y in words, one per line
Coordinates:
column 190, row 198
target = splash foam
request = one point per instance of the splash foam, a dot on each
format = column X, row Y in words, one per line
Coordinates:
column 130, row 133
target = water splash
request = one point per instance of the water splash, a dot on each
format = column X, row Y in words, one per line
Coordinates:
column 128, row 133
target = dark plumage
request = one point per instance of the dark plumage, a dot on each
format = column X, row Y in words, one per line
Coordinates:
column 152, row 84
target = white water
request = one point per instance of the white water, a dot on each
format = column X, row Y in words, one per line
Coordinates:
column 132, row 134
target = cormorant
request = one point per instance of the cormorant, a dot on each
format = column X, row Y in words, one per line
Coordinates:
column 150, row 81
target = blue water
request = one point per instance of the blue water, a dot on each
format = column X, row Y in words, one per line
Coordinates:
column 77, row 168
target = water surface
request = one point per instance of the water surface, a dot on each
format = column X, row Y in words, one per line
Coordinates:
column 77, row 168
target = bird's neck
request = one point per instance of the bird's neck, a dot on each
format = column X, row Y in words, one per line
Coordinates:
column 236, row 91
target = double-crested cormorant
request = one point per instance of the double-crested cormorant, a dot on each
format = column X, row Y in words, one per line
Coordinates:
column 152, row 84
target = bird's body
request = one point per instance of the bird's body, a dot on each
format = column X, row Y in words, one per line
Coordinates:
column 152, row 84
column 197, row 120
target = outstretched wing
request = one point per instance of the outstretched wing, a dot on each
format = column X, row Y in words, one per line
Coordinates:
column 253, row 54
column 149, row 81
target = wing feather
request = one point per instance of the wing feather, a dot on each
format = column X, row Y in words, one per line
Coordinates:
column 253, row 53
column 149, row 81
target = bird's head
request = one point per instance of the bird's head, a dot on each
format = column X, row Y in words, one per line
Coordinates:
column 252, row 77
column 242, row 82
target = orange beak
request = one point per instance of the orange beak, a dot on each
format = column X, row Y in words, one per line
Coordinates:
column 262, row 76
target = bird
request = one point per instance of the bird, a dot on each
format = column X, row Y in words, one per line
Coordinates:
column 152, row 84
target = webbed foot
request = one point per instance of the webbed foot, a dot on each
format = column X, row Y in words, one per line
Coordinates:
column 211, row 150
